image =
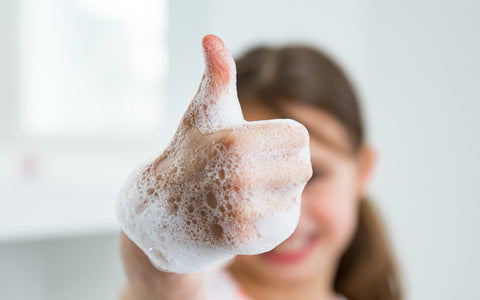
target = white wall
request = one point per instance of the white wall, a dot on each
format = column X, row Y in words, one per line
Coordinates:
column 423, row 101
column 416, row 65
column 71, row 268
column 8, row 67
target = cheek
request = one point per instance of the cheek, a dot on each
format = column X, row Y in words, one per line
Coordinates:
column 332, row 205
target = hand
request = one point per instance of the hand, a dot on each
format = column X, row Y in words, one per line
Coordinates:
column 223, row 186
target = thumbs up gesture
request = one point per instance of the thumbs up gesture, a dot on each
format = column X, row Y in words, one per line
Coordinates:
column 223, row 186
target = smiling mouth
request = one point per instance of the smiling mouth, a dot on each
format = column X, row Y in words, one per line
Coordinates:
column 292, row 251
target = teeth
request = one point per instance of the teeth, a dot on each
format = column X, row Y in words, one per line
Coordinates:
column 291, row 246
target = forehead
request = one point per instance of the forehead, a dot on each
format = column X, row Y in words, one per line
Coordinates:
column 324, row 130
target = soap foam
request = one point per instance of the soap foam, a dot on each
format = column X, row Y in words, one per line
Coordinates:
column 222, row 187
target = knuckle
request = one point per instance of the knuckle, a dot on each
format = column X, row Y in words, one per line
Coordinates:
column 301, row 134
column 304, row 168
column 241, row 178
column 229, row 140
column 307, row 172
column 296, row 133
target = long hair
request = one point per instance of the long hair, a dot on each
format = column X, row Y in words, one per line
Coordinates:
column 367, row 269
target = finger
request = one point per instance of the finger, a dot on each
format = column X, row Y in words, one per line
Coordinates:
column 215, row 106
column 220, row 67
column 265, row 138
column 273, row 171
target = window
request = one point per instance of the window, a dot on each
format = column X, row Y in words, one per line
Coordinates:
column 92, row 68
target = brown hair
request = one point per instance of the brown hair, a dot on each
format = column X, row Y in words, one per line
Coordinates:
column 367, row 269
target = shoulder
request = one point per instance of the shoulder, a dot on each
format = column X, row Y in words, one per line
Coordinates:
column 220, row 285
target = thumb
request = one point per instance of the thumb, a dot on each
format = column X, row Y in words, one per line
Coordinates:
column 220, row 67
column 215, row 106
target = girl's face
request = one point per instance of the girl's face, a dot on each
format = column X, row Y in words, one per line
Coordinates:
column 329, row 204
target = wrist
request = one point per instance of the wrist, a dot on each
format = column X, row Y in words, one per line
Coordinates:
column 144, row 281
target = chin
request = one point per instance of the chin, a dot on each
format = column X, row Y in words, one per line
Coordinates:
column 296, row 260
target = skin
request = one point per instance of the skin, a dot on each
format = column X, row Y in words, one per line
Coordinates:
column 329, row 206
column 329, row 212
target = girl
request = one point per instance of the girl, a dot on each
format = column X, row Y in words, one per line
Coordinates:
column 338, row 250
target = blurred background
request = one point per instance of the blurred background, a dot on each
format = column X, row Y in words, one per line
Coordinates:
column 90, row 88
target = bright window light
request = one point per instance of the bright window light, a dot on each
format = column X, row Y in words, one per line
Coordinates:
column 92, row 68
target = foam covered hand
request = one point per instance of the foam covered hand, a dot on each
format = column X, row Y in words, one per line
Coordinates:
column 223, row 186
